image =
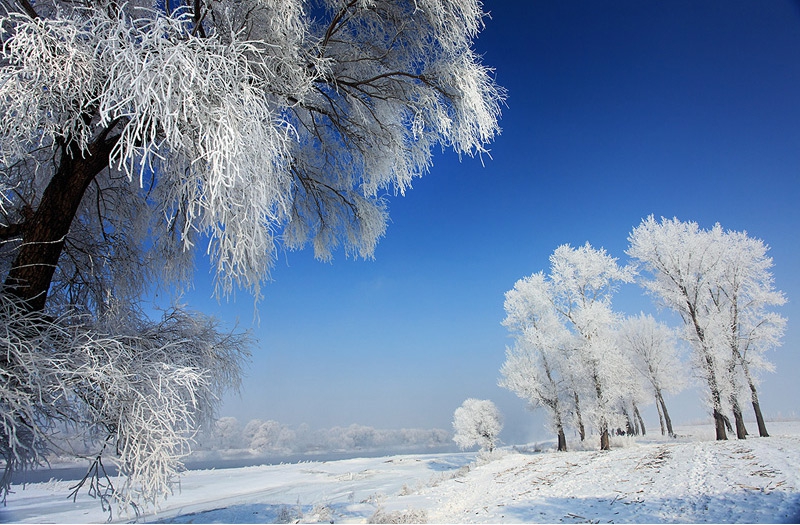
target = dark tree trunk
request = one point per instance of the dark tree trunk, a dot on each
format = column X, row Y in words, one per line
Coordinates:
column 727, row 422
column 638, row 416
column 711, row 376
column 45, row 230
column 628, row 423
column 741, row 430
column 581, row 429
column 720, row 421
column 660, row 415
column 556, row 407
column 562, row 440
column 666, row 413
column 604, row 442
column 762, row 427
column 719, row 425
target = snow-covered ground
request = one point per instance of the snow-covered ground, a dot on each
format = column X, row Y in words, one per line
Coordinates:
column 691, row 479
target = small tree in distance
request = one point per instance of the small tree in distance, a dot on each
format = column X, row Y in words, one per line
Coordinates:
column 477, row 422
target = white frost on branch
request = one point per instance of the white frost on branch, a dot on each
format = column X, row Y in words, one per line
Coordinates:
column 270, row 127
column 477, row 422
column 138, row 394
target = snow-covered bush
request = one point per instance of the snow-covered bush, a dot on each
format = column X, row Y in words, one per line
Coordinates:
column 477, row 422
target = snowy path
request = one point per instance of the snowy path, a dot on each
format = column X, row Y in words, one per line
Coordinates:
column 692, row 479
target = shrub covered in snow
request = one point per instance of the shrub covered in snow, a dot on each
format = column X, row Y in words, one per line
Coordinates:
column 477, row 422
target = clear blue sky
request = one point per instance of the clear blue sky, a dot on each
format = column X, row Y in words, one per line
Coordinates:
column 616, row 110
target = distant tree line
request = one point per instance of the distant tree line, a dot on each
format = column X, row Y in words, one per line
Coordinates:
column 274, row 438
column 591, row 367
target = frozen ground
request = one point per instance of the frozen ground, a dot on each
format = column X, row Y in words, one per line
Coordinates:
column 692, row 479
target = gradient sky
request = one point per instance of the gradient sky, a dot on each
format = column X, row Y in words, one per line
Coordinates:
column 616, row 110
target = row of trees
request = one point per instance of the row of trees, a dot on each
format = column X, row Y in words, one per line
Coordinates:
column 135, row 134
column 273, row 437
column 587, row 365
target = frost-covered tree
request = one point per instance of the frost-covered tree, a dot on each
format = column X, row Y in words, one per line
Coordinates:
column 273, row 437
column 720, row 283
column 684, row 263
column 134, row 134
column 574, row 375
column 743, row 297
column 226, row 433
column 565, row 351
column 633, row 395
column 583, row 282
column 477, row 422
column 534, row 366
column 137, row 391
column 651, row 349
column 360, row 436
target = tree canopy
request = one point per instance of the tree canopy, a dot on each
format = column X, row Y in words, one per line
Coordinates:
column 240, row 125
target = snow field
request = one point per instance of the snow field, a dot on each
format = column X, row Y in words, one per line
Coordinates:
column 691, row 479
column 751, row 481
column 345, row 490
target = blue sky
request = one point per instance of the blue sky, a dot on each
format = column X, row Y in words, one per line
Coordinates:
column 616, row 110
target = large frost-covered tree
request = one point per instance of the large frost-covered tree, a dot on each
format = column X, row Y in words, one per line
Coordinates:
column 534, row 368
column 719, row 282
column 743, row 297
column 584, row 280
column 565, row 338
column 134, row 134
column 683, row 264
